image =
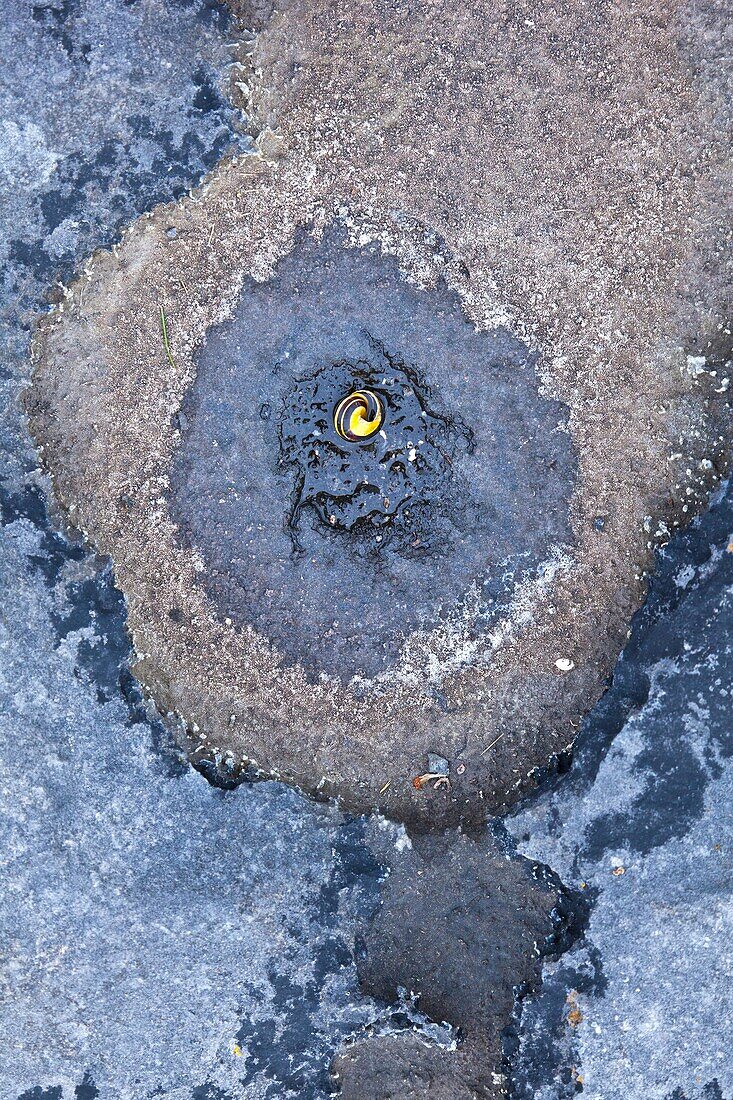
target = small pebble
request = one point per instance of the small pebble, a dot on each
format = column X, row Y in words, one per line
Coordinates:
column 438, row 765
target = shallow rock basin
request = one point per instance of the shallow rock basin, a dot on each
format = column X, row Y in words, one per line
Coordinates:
column 335, row 551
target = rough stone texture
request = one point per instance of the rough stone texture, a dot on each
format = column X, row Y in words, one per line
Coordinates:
column 80, row 764
column 159, row 936
column 443, row 937
column 150, row 924
column 73, row 174
column 480, row 514
column 148, row 921
column 649, row 792
column 562, row 168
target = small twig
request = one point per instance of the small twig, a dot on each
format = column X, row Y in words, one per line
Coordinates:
column 166, row 342
column 493, row 743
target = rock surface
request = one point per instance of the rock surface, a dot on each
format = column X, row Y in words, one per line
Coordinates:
column 530, row 226
column 186, row 920
column 444, row 935
column 643, row 823
column 149, row 922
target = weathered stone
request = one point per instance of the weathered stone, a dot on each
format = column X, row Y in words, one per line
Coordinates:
column 79, row 164
column 554, row 170
column 441, row 940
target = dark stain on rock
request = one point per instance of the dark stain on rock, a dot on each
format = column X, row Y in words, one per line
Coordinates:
column 710, row 1091
column 285, row 1054
column 487, row 504
column 56, row 18
column 126, row 163
column 389, row 487
column 443, row 938
column 86, row 1090
column 29, row 503
column 103, row 655
column 673, row 798
column 546, row 1059
column 681, row 607
column 209, row 1092
column 683, row 604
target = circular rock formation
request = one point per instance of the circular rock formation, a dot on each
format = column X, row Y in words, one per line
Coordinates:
column 504, row 225
column 337, row 552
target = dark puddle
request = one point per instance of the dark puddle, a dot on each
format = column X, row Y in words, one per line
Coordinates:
column 389, row 486
column 337, row 553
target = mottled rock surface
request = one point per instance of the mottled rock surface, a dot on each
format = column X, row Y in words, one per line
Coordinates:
column 643, row 822
column 158, row 935
column 560, row 170
column 150, row 923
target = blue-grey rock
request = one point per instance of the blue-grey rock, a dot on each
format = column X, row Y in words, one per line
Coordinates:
column 152, row 923
column 643, row 824
column 159, row 935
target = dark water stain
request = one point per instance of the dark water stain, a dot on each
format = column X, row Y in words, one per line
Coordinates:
column 347, row 599
column 86, row 1090
column 683, row 631
column 387, row 488
column 710, row 1091
column 288, row 1049
column 682, row 624
column 28, row 502
column 55, row 17
column 114, row 173
column 463, row 926
column 103, row 658
column 545, row 1060
column 127, row 163
column 673, row 798
column 210, row 1092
